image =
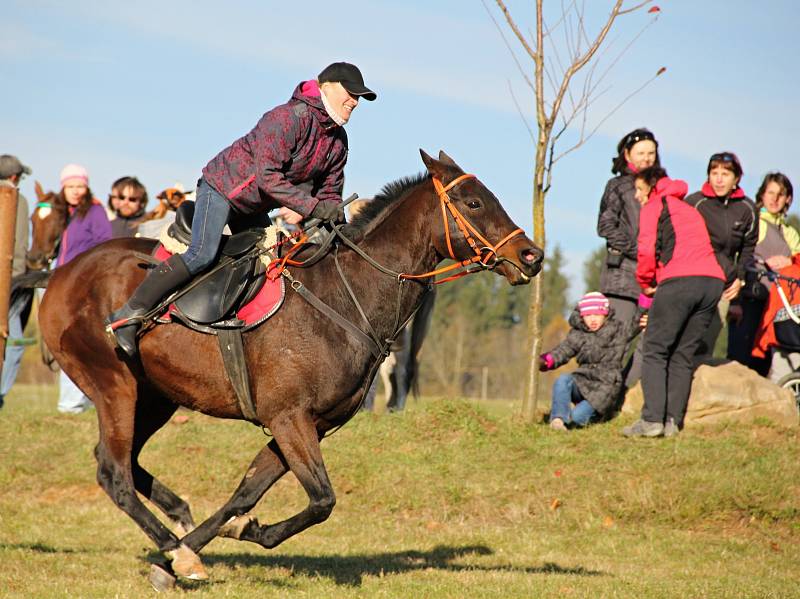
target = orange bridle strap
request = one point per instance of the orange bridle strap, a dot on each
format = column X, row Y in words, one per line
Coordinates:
column 467, row 230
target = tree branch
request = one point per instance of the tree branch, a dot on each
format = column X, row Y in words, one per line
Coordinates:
column 516, row 31
column 510, row 50
column 581, row 61
column 635, row 8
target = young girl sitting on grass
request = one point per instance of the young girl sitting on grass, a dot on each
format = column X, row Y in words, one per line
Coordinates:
column 598, row 341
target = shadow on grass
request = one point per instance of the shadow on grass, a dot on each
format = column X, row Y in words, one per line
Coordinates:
column 349, row 570
column 37, row 547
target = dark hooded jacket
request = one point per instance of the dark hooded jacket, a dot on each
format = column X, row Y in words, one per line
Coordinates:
column 618, row 224
column 293, row 157
column 732, row 224
column 599, row 355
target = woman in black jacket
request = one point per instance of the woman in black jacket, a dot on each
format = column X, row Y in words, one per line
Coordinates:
column 618, row 224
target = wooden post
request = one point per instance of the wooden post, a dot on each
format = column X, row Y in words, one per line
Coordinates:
column 8, row 223
column 484, row 382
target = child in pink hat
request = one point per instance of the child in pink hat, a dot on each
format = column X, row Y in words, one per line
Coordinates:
column 598, row 341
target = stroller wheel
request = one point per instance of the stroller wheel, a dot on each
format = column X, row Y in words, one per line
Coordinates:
column 792, row 382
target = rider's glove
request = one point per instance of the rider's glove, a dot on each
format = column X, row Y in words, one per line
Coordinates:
column 329, row 210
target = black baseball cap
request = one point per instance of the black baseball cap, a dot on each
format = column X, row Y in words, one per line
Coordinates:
column 350, row 77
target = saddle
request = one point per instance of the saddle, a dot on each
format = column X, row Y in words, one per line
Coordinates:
column 216, row 297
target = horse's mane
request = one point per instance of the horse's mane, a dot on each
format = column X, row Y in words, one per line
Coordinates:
column 388, row 196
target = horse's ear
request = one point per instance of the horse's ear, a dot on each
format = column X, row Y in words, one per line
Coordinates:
column 445, row 159
column 435, row 168
column 39, row 191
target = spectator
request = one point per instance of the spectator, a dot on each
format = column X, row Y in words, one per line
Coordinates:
column 87, row 226
column 128, row 198
column 598, row 341
column 777, row 243
column 676, row 266
column 163, row 214
column 11, row 173
column 618, row 224
column 732, row 225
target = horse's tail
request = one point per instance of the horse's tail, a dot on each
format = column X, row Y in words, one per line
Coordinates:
column 419, row 330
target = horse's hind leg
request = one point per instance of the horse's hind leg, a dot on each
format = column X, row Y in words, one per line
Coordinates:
column 153, row 412
column 299, row 443
column 114, row 455
column 267, row 467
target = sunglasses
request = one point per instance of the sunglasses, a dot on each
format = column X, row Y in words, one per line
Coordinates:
column 634, row 138
column 724, row 157
column 126, row 198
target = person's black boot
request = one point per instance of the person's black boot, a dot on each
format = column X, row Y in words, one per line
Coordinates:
column 125, row 323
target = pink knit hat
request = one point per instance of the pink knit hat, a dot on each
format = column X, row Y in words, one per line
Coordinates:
column 593, row 302
column 74, row 171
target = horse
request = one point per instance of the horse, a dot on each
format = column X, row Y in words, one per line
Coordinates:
column 48, row 221
column 307, row 376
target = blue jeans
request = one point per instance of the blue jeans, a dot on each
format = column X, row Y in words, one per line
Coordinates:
column 13, row 355
column 211, row 212
column 565, row 393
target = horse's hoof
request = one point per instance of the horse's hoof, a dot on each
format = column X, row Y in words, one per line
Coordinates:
column 161, row 579
column 187, row 564
column 234, row 527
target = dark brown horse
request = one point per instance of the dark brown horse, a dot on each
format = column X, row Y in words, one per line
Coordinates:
column 307, row 375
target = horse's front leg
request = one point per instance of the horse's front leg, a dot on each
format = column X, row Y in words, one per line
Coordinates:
column 299, row 443
column 265, row 469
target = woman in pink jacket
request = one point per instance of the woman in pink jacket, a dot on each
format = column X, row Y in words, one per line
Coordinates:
column 676, row 266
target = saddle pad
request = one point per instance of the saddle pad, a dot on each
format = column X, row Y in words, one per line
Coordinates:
column 263, row 305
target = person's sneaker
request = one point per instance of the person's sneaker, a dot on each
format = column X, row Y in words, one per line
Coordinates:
column 642, row 428
column 670, row 428
column 558, row 425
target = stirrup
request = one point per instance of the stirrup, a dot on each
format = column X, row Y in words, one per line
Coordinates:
column 123, row 331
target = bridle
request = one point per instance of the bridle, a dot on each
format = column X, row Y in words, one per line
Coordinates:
column 485, row 256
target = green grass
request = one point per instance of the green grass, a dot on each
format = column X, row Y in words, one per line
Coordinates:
column 450, row 499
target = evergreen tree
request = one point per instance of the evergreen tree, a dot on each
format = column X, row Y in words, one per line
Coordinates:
column 555, row 286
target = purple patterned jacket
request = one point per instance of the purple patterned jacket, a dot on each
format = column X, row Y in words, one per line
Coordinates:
column 293, row 157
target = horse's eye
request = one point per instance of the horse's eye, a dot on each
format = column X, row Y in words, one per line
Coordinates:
column 474, row 205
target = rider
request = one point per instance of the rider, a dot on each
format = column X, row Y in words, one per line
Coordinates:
column 294, row 157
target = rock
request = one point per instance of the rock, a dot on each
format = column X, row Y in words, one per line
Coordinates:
column 729, row 392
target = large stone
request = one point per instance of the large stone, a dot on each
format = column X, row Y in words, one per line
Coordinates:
column 730, row 392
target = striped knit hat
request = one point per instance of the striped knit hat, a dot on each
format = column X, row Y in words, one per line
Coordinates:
column 593, row 302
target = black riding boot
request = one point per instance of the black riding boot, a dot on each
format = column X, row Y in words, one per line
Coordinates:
column 125, row 322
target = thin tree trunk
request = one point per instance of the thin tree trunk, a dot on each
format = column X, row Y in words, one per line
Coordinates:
column 8, row 223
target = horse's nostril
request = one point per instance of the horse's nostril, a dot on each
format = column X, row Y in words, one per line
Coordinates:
column 531, row 256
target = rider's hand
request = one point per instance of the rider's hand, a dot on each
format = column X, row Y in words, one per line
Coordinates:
column 329, row 210
column 290, row 216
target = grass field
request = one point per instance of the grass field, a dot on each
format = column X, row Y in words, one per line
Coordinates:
column 449, row 499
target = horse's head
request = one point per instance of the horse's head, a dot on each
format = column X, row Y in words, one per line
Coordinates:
column 474, row 224
column 48, row 221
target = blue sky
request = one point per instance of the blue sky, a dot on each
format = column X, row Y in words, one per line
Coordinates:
column 156, row 89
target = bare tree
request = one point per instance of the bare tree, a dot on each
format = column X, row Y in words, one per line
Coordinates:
column 565, row 84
